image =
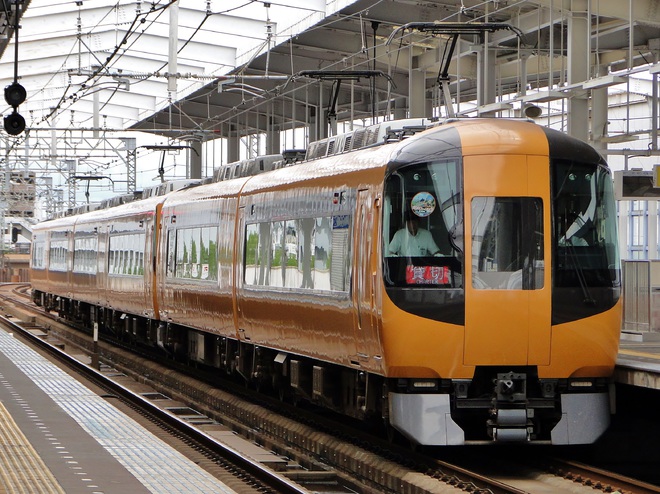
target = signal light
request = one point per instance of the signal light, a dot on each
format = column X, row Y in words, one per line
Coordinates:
column 15, row 94
column 14, row 124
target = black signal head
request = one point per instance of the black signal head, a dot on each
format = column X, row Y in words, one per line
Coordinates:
column 15, row 94
column 14, row 123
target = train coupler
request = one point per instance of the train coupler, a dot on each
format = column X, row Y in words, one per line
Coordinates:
column 511, row 424
column 511, row 420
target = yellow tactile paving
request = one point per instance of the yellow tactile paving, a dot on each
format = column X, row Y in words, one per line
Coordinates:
column 21, row 468
column 634, row 353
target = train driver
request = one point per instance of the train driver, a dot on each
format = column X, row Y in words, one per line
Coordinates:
column 413, row 241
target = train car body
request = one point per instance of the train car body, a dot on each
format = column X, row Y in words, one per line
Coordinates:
column 195, row 265
column 462, row 284
column 103, row 260
column 50, row 266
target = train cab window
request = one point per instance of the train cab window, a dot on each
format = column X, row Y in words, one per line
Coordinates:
column 584, row 227
column 422, row 226
column 507, row 243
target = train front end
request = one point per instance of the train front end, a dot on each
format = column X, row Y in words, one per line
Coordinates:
column 501, row 307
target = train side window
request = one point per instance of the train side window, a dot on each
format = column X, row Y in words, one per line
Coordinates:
column 322, row 249
column 183, row 245
column 292, row 275
column 306, row 253
column 252, row 258
column 38, row 250
column 126, row 254
column 340, row 253
column 196, row 253
column 305, row 265
column 84, row 255
column 278, row 258
column 57, row 255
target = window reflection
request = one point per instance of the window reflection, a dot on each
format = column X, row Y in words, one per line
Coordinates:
column 304, row 253
column 193, row 253
column 84, row 255
column 126, row 254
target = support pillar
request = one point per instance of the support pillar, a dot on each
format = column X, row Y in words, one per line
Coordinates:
column 130, row 143
column 486, row 81
column 273, row 144
column 599, row 108
column 313, row 123
column 579, row 57
column 323, row 124
column 195, row 154
column 652, row 231
column 417, row 93
column 172, row 59
column 233, row 145
column 416, row 90
column 400, row 108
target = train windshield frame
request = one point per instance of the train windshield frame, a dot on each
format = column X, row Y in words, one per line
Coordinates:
column 422, row 282
column 587, row 264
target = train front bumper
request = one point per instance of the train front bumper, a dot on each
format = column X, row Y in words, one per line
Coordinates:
column 427, row 419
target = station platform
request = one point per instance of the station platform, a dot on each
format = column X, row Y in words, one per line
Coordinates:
column 638, row 363
column 58, row 436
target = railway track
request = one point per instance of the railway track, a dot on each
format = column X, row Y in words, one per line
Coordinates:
column 331, row 454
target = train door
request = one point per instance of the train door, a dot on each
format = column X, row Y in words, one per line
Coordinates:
column 238, row 261
column 364, row 277
column 507, row 244
column 153, row 230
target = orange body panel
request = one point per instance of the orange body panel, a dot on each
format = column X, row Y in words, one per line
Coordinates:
column 417, row 347
column 340, row 327
column 507, row 327
column 585, row 348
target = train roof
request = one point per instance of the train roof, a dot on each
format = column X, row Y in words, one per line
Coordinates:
column 335, row 155
column 127, row 209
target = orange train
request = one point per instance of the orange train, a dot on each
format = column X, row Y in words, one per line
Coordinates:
column 458, row 280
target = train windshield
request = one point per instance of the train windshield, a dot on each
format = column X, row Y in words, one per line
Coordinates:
column 422, row 226
column 507, row 243
column 587, row 263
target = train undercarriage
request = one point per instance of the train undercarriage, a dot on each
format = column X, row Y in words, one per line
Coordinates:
column 500, row 404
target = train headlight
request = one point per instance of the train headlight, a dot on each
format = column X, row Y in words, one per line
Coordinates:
column 424, row 384
column 581, row 383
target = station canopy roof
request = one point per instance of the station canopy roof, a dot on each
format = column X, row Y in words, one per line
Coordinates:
column 110, row 64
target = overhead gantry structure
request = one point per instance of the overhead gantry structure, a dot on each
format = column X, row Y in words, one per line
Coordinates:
column 193, row 72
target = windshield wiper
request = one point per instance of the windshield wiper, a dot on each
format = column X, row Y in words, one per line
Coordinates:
column 588, row 299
